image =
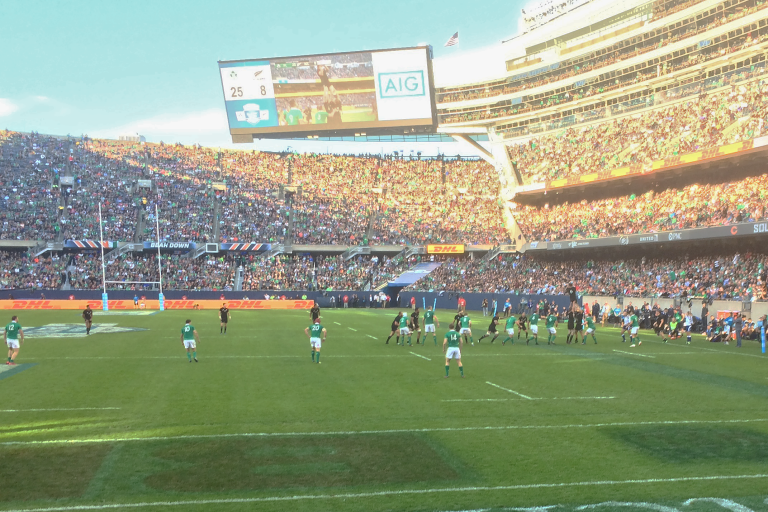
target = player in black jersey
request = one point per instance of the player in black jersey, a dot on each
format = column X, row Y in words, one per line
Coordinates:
column 522, row 323
column 224, row 317
column 571, row 316
column 88, row 317
column 578, row 325
column 659, row 325
column 314, row 312
column 415, row 324
column 395, row 328
column 491, row 330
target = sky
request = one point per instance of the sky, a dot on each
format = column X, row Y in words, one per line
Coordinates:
column 149, row 67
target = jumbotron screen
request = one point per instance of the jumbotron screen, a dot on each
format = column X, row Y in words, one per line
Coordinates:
column 373, row 92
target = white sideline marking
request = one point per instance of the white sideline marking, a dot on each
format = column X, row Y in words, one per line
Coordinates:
column 402, row 492
column 374, row 337
column 73, row 409
column 351, row 329
column 634, row 353
column 337, row 323
column 522, row 399
column 367, row 432
column 421, row 356
column 509, row 390
column 714, row 350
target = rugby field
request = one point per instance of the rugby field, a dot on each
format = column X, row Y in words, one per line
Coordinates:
column 119, row 420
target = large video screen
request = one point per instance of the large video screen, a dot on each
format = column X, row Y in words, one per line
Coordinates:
column 371, row 92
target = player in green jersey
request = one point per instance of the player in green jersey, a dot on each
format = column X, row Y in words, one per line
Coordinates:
column 534, row 328
column 293, row 115
column 510, row 327
column 551, row 328
column 188, row 338
column 316, row 334
column 590, row 329
column 466, row 328
column 452, row 349
column 430, row 324
column 634, row 326
column 14, row 337
column 404, row 330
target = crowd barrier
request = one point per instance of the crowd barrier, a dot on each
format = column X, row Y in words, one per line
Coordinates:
column 154, row 304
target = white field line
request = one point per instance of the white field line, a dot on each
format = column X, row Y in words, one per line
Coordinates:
column 724, row 352
column 509, row 390
column 337, row 323
column 374, row 337
column 524, row 399
column 403, row 492
column 73, row 409
column 634, row 353
column 421, row 356
column 351, row 329
column 247, row 356
column 369, row 432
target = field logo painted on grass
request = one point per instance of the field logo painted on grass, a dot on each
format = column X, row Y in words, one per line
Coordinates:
column 75, row 330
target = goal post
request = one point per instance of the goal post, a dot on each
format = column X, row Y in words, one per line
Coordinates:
column 104, row 281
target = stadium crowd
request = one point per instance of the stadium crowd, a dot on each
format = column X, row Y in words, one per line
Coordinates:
column 693, row 206
column 731, row 276
column 18, row 270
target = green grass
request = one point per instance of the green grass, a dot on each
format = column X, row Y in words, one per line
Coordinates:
column 122, row 417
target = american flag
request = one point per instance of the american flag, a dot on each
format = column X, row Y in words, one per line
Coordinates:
column 453, row 40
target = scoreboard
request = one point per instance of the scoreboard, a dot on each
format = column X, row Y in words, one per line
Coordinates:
column 372, row 92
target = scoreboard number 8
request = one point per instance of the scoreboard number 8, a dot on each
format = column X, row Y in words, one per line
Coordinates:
column 237, row 92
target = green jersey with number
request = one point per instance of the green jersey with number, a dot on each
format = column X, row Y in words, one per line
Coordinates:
column 633, row 321
column 321, row 117
column 678, row 317
column 429, row 318
column 551, row 321
column 464, row 322
column 535, row 319
column 315, row 330
column 403, row 322
column 293, row 116
column 188, row 331
column 453, row 339
column 12, row 330
column 590, row 322
column 511, row 322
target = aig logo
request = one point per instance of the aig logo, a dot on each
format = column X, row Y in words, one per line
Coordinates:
column 401, row 84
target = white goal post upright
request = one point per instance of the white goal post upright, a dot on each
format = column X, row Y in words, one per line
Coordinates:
column 160, row 298
column 104, row 296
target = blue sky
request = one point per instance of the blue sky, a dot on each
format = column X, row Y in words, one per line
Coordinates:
column 108, row 68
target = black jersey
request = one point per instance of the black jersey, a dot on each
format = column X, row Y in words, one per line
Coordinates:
column 415, row 320
column 571, row 319
column 494, row 322
column 315, row 312
column 578, row 320
column 88, row 314
column 523, row 320
column 571, row 291
column 457, row 320
column 396, row 323
column 224, row 314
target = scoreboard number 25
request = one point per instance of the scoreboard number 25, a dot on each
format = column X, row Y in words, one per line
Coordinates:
column 237, row 92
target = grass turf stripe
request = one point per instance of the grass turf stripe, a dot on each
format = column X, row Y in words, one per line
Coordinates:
column 387, row 431
column 375, row 494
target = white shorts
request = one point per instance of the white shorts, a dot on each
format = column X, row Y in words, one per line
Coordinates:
column 189, row 344
column 726, row 329
column 429, row 328
column 315, row 342
column 535, row 329
column 465, row 330
column 404, row 330
column 453, row 353
column 590, row 331
column 633, row 330
column 511, row 332
column 12, row 343
column 552, row 330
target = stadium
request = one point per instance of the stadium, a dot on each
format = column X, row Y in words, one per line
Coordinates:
column 569, row 315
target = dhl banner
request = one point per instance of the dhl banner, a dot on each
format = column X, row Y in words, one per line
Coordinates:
column 96, row 305
column 445, row 249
